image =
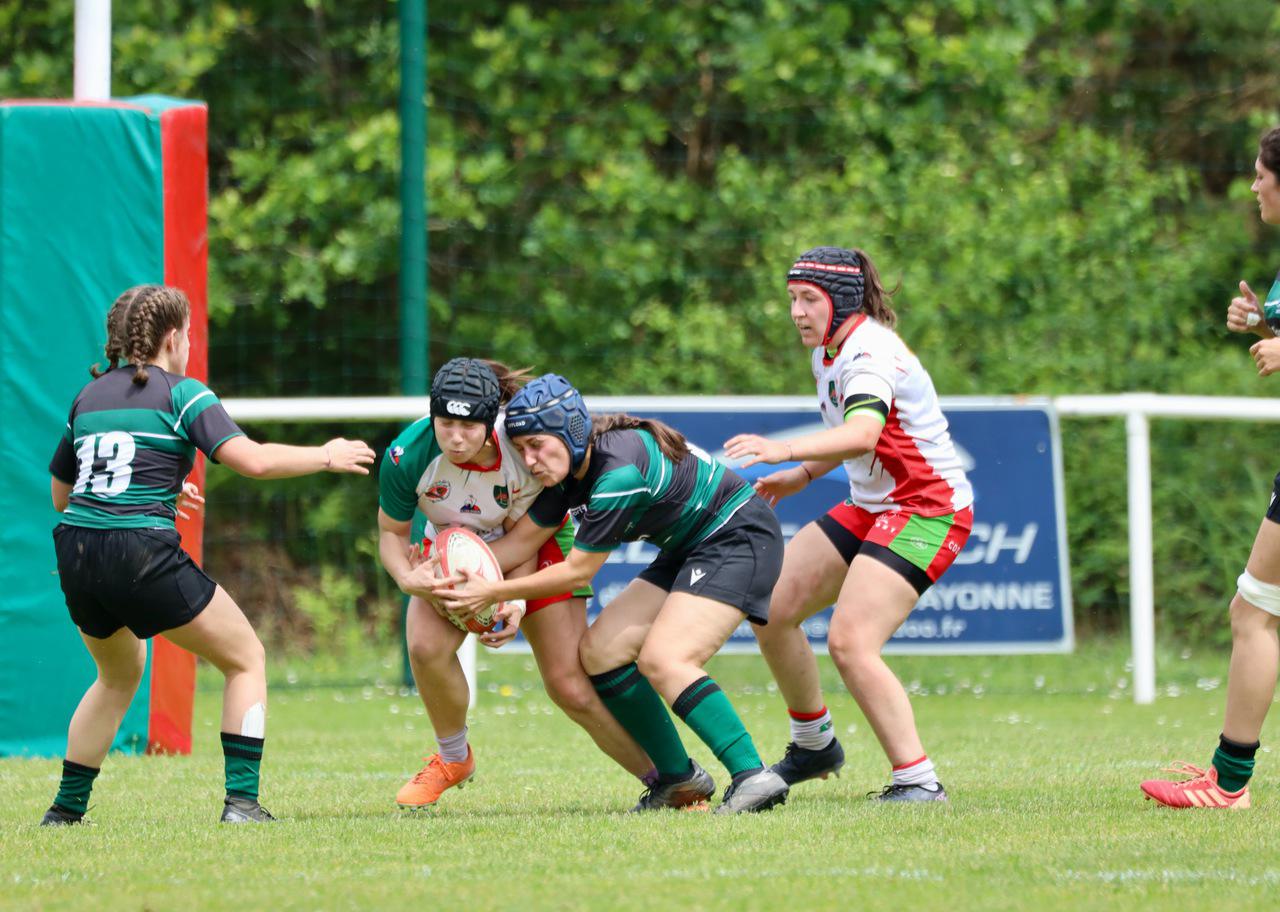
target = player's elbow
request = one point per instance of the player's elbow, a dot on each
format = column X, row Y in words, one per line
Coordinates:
column 860, row 438
column 244, row 457
column 252, row 468
column 254, row 464
column 865, row 442
column 581, row 579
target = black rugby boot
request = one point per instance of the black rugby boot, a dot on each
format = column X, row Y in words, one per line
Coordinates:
column 801, row 763
column 57, row 816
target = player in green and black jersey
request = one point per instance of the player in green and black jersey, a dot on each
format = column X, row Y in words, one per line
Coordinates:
column 627, row 479
column 119, row 481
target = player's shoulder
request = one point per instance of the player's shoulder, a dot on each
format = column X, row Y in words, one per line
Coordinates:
column 621, row 447
column 619, row 458
column 182, row 390
column 415, row 445
column 512, row 461
column 871, row 339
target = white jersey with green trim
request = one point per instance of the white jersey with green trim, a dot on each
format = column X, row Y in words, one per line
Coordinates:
column 915, row 466
column 416, row 475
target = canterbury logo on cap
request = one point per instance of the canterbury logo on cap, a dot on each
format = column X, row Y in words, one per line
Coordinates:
column 454, row 407
column 827, row 267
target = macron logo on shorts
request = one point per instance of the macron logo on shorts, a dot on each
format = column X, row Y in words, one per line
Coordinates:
column 694, row 575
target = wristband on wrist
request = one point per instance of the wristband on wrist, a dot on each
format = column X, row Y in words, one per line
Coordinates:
column 804, row 468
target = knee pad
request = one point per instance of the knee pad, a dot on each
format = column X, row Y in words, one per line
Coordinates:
column 1264, row 596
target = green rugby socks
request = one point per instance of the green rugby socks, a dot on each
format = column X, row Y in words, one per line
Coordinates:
column 243, row 758
column 705, row 708
column 638, row 709
column 1234, row 763
column 73, row 791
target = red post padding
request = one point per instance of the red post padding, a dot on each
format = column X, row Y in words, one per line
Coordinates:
column 185, row 166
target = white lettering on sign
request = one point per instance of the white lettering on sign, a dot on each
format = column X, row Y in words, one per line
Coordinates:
column 986, row 542
column 1033, row 596
column 944, row 628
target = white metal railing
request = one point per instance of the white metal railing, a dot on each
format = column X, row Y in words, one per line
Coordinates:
column 1136, row 408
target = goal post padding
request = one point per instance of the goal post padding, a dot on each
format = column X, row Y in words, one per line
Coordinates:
column 94, row 198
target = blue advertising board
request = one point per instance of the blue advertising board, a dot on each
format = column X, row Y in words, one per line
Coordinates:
column 1008, row 590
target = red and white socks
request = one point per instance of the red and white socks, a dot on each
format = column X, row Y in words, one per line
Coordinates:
column 812, row 731
column 918, row 772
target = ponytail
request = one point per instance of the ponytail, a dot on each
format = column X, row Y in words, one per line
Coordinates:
column 510, row 381
column 875, row 300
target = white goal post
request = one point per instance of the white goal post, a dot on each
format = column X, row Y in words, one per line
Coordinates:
column 1136, row 408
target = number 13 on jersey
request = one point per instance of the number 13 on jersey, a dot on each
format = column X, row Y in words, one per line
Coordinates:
column 115, row 447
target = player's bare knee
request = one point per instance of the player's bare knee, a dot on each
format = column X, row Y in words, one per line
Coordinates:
column 850, row 653
column 599, row 655
column 1256, row 606
column 426, row 651
column 255, row 655
column 125, row 676
column 653, row 664
column 572, row 693
column 786, row 612
column 248, row 657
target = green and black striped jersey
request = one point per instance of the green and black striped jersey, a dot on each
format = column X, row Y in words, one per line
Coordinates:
column 632, row 491
column 127, row 448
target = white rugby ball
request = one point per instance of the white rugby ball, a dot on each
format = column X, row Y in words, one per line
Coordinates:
column 460, row 548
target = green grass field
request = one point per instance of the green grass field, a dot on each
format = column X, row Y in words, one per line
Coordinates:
column 1042, row 756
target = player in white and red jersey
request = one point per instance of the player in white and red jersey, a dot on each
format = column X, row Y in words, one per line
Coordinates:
column 909, row 513
column 458, row 467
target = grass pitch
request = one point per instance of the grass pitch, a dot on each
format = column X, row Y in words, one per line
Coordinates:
column 1042, row 756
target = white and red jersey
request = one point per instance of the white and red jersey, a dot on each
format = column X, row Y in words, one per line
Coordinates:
column 915, row 466
column 416, row 475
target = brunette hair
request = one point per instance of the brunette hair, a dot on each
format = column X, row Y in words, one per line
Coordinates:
column 510, row 380
column 137, row 324
column 1269, row 150
column 875, row 299
column 670, row 441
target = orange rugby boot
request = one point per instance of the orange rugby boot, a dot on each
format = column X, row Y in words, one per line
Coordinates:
column 1199, row 790
column 425, row 788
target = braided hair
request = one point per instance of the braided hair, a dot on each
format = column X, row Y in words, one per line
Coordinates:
column 137, row 324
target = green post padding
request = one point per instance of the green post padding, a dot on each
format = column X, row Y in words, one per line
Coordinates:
column 81, row 219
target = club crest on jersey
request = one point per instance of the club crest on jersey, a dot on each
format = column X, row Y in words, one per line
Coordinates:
column 437, row 492
column 395, row 453
column 501, row 496
column 833, row 394
column 470, row 506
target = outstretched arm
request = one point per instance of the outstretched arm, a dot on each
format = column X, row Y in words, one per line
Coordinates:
column 858, row 435
column 278, row 460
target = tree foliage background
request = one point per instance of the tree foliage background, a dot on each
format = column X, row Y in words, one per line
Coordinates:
column 1059, row 187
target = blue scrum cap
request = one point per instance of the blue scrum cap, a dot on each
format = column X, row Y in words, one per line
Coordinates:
column 550, row 405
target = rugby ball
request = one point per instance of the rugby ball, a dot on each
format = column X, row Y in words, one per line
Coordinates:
column 460, row 549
